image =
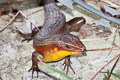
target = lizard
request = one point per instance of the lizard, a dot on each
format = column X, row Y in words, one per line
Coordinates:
column 51, row 42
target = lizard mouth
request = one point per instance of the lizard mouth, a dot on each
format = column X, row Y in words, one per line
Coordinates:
column 55, row 55
column 84, row 53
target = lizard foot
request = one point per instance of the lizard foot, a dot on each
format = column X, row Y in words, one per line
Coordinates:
column 67, row 64
column 34, row 68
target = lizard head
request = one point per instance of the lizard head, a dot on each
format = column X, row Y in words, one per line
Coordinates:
column 64, row 45
column 71, row 43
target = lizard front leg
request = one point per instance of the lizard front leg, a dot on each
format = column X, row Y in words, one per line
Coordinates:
column 35, row 60
column 67, row 64
column 35, row 67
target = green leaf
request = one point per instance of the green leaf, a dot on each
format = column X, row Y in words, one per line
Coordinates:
column 114, row 74
column 60, row 72
column 56, row 70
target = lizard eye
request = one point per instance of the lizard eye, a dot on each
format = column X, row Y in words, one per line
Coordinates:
column 67, row 46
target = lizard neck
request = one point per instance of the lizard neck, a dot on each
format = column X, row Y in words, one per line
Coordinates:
column 54, row 21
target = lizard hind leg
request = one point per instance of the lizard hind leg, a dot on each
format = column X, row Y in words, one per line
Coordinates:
column 35, row 61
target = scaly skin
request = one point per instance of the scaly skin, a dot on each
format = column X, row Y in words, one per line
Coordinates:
column 49, row 42
column 72, row 25
column 52, row 42
column 59, row 46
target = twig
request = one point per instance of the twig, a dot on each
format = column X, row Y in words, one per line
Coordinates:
column 105, row 66
column 29, row 20
column 109, row 75
column 114, row 38
column 19, row 12
column 102, row 49
column 10, row 21
column 35, row 12
column 116, row 45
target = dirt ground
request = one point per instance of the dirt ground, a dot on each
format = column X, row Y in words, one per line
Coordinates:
column 15, row 55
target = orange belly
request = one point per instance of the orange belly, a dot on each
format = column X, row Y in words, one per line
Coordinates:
column 53, row 53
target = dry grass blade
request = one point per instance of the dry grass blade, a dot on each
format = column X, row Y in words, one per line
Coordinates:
column 104, row 66
column 10, row 21
column 52, row 69
column 19, row 12
column 103, row 49
column 109, row 75
column 114, row 38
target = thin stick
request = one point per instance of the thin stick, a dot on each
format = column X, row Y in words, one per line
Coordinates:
column 35, row 12
column 28, row 20
column 10, row 21
column 19, row 12
column 109, row 75
column 114, row 38
column 102, row 49
column 105, row 66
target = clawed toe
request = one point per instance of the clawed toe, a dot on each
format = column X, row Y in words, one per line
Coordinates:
column 67, row 64
column 34, row 69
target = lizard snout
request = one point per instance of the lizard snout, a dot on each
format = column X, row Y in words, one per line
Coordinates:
column 84, row 52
